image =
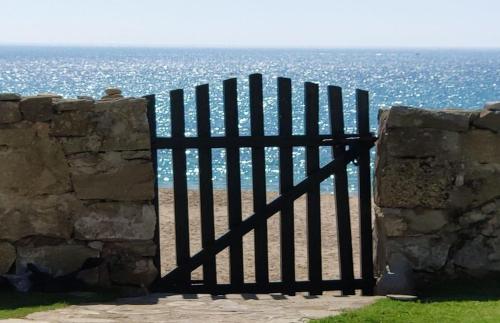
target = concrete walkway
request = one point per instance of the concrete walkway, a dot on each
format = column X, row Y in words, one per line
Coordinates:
column 204, row 308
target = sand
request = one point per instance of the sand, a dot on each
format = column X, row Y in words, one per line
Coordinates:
column 329, row 236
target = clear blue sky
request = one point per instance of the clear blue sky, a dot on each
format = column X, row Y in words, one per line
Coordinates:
column 253, row 23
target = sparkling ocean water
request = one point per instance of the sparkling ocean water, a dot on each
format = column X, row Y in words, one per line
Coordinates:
column 415, row 77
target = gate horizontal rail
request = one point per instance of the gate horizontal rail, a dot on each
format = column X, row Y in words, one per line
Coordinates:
column 260, row 141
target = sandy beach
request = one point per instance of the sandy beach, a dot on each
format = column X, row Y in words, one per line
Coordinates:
column 329, row 239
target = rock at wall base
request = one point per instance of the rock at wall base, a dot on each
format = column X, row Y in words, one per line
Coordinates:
column 7, row 257
column 397, row 278
column 57, row 260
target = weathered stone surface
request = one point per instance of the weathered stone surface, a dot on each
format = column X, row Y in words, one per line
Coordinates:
column 488, row 120
column 55, row 260
column 138, row 154
column 72, row 105
column 130, row 249
column 481, row 146
column 489, row 208
column 473, row 255
column 98, row 245
column 397, row 277
column 124, row 124
column 108, row 176
column 424, row 220
column 427, row 253
column 75, row 145
column 36, row 108
column 418, row 143
column 481, row 185
column 410, row 183
column 112, row 91
column 7, row 257
column 9, row 112
column 71, row 124
column 49, row 95
column 394, row 225
column 112, row 97
column 10, row 97
column 116, row 221
column 50, row 216
column 116, row 125
column 85, row 97
column 492, row 106
column 471, row 217
column 141, row 272
column 494, row 247
column 407, row 117
column 32, row 163
column 89, row 277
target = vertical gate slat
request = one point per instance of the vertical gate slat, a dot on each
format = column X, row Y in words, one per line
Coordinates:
column 206, row 187
column 287, row 241
column 151, row 111
column 365, row 219
column 311, row 100
column 259, row 180
column 180, row 183
column 341, row 192
column 233, row 179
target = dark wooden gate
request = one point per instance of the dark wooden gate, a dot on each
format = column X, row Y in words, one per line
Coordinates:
column 346, row 148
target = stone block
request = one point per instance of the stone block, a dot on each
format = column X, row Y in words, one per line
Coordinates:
column 72, row 105
column 107, row 176
column 118, row 125
column 425, row 220
column 411, row 183
column 76, row 123
column 130, row 249
column 7, row 257
column 49, row 95
column 488, row 119
column 116, row 221
column 481, row 146
column 9, row 112
column 124, row 124
column 32, row 163
column 397, row 278
column 49, row 216
column 141, row 272
column 471, row 217
column 425, row 253
column 36, row 108
column 450, row 120
column 393, row 224
column 481, row 185
column 473, row 255
column 10, row 97
column 422, row 142
column 56, row 260
column 492, row 106
column 75, row 145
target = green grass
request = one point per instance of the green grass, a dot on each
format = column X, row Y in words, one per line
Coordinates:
column 458, row 302
column 15, row 305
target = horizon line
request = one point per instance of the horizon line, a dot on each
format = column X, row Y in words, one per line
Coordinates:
column 179, row 46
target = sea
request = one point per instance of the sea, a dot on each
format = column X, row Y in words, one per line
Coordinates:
column 431, row 78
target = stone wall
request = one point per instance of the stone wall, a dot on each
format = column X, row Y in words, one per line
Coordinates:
column 437, row 196
column 76, row 182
